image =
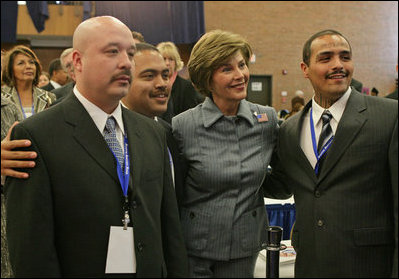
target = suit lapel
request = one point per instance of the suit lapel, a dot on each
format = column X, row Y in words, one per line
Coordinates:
column 300, row 156
column 349, row 126
column 88, row 136
column 132, row 129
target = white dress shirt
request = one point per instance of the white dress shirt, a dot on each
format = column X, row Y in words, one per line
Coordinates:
column 336, row 110
column 100, row 117
column 55, row 84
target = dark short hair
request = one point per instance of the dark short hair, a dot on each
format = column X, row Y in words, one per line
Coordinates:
column 306, row 53
column 297, row 100
column 138, row 36
column 145, row 46
column 8, row 72
column 55, row 65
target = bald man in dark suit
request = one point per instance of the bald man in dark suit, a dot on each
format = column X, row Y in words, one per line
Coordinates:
column 64, row 218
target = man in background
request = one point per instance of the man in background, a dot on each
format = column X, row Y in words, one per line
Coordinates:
column 58, row 76
column 67, row 65
column 149, row 96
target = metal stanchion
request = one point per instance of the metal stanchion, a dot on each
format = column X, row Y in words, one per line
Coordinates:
column 273, row 248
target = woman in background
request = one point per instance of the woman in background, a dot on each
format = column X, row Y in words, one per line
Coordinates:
column 21, row 75
column 183, row 96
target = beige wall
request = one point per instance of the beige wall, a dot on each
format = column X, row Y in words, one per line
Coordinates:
column 277, row 31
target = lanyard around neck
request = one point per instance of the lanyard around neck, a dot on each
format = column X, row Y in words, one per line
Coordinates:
column 325, row 147
column 22, row 108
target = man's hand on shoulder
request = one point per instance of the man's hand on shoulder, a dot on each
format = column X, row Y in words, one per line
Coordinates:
column 11, row 159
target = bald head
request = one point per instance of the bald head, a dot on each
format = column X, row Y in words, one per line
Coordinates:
column 103, row 50
column 93, row 27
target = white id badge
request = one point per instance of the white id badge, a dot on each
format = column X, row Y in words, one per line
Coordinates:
column 121, row 257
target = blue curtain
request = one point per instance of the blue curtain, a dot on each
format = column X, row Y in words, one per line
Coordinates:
column 9, row 13
column 181, row 22
column 282, row 216
column 38, row 11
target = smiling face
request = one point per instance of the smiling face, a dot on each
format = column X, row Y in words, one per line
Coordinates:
column 148, row 94
column 229, row 81
column 330, row 67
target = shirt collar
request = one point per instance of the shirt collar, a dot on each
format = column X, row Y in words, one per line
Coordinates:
column 55, row 84
column 211, row 113
column 336, row 110
column 98, row 115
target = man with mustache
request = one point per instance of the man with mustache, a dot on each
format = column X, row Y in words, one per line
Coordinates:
column 100, row 200
column 149, row 96
column 339, row 155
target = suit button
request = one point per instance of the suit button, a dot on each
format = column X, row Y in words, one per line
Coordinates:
column 320, row 223
column 140, row 246
column 317, row 194
column 134, row 204
column 192, row 215
column 254, row 213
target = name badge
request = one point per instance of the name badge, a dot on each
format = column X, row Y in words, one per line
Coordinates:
column 121, row 257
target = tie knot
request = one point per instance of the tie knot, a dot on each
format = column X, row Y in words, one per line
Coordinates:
column 326, row 117
column 110, row 124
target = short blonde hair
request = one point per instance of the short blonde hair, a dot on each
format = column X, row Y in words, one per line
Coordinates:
column 210, row 52
column 169, row 49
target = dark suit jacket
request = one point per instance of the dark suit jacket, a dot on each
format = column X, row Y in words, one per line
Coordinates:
column 347, row 218
column 183, row 97
column 393, row 95
column 60, row 218
column 48, row 87
column 63, row 91
column 178, row 164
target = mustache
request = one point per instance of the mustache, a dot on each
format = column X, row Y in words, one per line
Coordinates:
column 123, row 73
column 337, row 73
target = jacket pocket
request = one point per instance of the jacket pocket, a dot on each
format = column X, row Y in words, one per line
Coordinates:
column 252, row 227
column 195, row 225
column 373, row 236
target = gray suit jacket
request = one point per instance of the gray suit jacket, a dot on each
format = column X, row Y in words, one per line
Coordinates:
column 347, row 218
column 223, row 213
column 59, row 219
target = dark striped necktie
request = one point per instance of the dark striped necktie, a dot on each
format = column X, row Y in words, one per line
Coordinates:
column 326, row 131
column 112, row 141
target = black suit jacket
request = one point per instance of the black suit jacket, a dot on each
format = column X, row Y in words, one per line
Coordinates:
column 347, row 218
column 178, row 161
column 60, row 218
column 183, row 97
column 393, row 95
column 48, row 87
column 63, row 91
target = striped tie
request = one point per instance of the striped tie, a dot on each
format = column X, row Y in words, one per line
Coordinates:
column 112, row 141
column 326, row 131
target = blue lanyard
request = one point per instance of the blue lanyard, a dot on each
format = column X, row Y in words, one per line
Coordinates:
column 325, row 147
column 124, row 175
column 23, row 111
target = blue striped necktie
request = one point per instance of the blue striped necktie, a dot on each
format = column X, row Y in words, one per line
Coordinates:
column 112, row 141
column 326, row 131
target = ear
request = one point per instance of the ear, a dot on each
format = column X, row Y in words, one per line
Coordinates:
column 77, row 61
column 305, row 69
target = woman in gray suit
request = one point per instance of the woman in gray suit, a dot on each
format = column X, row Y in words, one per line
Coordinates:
column 227, row 143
